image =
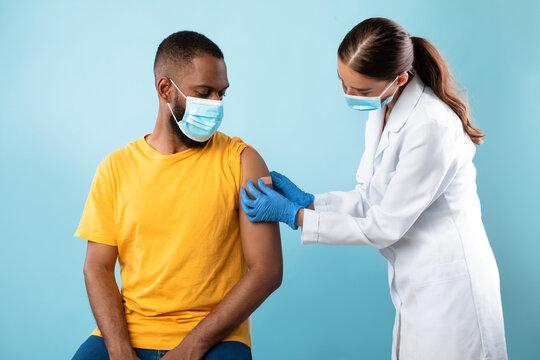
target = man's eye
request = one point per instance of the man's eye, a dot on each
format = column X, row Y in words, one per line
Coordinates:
column 203, row 94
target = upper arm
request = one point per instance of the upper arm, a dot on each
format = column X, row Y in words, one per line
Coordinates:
column 425, row 169
column 261, row 242
column 100, row 256
column 427, row 163
column 97, row 221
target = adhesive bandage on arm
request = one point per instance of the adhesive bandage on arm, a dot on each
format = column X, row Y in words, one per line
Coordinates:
column 267, row 180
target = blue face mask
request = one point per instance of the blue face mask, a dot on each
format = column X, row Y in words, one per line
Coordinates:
column 367, row 103
column 201, row 118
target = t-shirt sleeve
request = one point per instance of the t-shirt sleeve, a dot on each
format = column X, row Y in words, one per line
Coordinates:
column 236, row 147
column 97, row 221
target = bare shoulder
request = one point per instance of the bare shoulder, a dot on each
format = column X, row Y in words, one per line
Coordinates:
column 261, row 242
column 253, row 165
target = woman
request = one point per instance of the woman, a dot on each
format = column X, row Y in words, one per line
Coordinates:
column 415, row 200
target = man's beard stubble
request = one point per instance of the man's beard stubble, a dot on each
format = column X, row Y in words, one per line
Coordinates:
column 179, row 113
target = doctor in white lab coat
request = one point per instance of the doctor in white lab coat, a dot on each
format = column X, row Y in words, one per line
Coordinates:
column 415, row 198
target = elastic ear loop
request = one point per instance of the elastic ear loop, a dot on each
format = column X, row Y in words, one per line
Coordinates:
column 183, row 93
column 172, row 112
column 388, row 87
column 391, row 96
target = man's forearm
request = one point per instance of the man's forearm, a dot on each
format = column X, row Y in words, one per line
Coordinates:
column 106, row 303
column 244, row 298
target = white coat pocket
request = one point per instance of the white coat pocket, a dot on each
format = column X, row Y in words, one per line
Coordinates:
column 443, row 313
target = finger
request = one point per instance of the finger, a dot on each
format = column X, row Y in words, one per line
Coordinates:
column 276, row 177
column 251, row 218
column 253, row 190
column 250, row 212
column 247, row 210
column 245, row 199
column 265, row 189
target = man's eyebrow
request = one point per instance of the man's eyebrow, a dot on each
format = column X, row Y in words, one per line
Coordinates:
column 211, row 87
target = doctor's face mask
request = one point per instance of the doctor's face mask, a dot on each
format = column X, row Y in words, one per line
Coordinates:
column 368, row 103
column 359, row 88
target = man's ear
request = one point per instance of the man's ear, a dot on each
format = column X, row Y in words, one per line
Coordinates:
column 165, row 89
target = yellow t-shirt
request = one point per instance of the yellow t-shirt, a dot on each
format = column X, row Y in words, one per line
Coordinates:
column 174, row 219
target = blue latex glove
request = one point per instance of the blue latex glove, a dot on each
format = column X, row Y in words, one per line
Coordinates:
column 286, row 187
column 268, row 205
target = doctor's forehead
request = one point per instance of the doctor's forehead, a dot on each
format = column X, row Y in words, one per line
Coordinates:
column 356, row 80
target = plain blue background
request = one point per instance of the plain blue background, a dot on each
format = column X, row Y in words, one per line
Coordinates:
column 77, row 83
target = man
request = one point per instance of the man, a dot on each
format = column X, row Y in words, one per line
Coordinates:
column 193, row 268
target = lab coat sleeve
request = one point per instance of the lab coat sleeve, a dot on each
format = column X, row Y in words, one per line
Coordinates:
column 426, row 165
column 350, row 202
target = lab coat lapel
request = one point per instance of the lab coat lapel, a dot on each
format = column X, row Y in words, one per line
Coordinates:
column 399, row 115
column 373, row 131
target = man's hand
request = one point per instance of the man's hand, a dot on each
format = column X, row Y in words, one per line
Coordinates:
column 186, row 350
column 128, row 355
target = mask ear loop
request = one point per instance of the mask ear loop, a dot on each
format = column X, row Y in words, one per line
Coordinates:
column 169, row 105
column 391, row 96
column 172, row 112
column 179, row 89
column 388, row 87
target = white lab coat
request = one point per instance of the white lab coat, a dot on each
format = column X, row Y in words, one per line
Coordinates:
column 416, row 202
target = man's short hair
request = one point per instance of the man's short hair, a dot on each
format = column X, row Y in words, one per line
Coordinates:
column 178, row 50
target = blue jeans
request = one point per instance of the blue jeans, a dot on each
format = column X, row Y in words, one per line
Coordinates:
column 94, row 349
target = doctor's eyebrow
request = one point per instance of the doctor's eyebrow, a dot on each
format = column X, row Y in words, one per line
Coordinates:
column 357, row 89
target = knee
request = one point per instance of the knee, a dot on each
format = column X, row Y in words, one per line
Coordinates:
column 92, row 349
column 229, row 350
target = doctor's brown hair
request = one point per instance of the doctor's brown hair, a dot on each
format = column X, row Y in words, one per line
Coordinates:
column 381, row 48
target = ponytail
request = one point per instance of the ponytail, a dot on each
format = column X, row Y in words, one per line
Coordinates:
column 433, row 71
column 382, row 49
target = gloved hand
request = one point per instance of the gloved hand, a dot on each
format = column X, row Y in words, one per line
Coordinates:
column 268, row 206
column 286, row 187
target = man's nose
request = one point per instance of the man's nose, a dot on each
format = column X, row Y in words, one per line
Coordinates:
column 215, row 96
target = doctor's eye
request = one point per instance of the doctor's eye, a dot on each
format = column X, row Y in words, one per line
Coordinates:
column 203, row 94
